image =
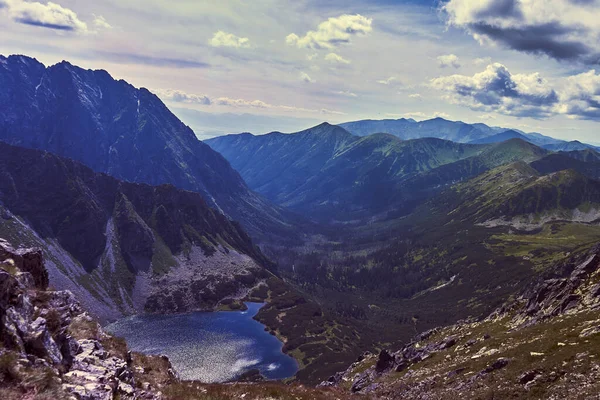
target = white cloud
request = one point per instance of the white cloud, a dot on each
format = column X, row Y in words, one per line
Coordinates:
column 336, row 59
column 178, row 96
column 331, row 112
column 392, row 80
column 347, row 93
column 312, row 56
column 524, row 95
column 414, row 96
column 482, row 61
column 566, row 30
column 304, row 77
column 100, row 22
column 449, row 60
column 49, row 15
column 333, row 32
column 580, row 96
column 496, row 89
column 224, row 39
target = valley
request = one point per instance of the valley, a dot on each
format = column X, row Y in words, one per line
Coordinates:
column 353, row 238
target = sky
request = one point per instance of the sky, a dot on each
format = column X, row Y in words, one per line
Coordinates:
column 232, row 66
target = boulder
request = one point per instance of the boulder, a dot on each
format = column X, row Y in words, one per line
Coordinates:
column 384, row 362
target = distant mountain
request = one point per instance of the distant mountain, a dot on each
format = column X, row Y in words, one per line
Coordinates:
column 115, row 128
column 419, row 188
column 124, row 247
column 587, row 155
column 502, row 137
column 589, row 167
column 410, row 129
column 326, row 172
column 443, row 129
column 570, row 146
column 276, row 164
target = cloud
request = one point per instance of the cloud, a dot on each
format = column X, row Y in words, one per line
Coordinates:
column 347, row 93
column 304, row 77
column 100, row 22
column 482, row 61
column 49, row 15
column 565, row 30
column 332, row 33
column 449, row 60
column 496, row 89
column 524, row 95
column 580, row 96
column 224, row 39
column 392, row 80
column 132, row 58
column 336, row 59
column 178, row 96
column 414, row 96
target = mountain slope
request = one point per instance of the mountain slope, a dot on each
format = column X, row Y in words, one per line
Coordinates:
column 518, row 190
column 585, row 163
column 326, row 172
column 570, row 146
column 278, row 163
column 124, row 247
column 502, row 137
column 542, row 345
column 112, row 127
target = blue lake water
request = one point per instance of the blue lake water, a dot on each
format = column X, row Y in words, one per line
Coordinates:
column 208, row 346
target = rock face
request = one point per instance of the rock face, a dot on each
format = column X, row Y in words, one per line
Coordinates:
column 37, row 330
column 121, row 245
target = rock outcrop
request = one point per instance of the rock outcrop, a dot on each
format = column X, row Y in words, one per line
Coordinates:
column 43, row 336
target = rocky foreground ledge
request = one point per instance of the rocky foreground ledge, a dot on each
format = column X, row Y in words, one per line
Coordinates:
column 50, row 348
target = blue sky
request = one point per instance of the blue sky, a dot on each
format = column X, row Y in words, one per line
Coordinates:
column 527, row 64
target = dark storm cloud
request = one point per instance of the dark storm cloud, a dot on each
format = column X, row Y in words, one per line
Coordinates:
column 570, row 35
column 547, row 39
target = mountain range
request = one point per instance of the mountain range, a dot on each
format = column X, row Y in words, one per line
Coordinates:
column 369, row 231
column 458, row 132
column 128, row 133
column 327, row 173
